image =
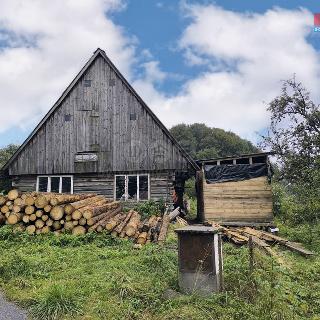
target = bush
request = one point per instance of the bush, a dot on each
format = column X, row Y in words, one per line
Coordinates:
column 296, row 204
column 151, row 207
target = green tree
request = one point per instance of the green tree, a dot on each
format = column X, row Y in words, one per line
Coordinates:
column 294, row 136
column 201, row 141
column 5, row 154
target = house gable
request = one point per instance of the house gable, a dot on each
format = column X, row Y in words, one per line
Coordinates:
column 99, row 114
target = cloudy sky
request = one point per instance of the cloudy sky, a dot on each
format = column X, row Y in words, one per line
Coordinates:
column 214, row 62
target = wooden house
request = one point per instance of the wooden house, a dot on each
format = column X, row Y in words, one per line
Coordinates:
column 235, row 190
column 101, row 137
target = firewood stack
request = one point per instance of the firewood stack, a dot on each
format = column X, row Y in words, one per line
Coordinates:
column 38, row 213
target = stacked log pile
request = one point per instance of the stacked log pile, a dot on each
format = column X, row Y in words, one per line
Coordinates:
column 39, row 213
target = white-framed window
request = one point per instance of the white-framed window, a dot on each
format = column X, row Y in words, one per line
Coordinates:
column 135, row 187
column 58, row 184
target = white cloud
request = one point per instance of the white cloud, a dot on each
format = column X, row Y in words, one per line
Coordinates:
column 260, row 50
column 46, row 44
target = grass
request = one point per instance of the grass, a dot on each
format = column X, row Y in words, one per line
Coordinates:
column 97, row 277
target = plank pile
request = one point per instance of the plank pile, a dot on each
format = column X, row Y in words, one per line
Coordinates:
column 38, row 213
column 263, row 240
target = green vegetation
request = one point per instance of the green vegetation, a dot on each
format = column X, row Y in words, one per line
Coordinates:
column 202, row 142
column 294, row 135
column 98, row 277
column 5, row 154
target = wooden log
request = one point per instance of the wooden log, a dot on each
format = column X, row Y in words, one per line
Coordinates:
column 118, row 229
column 68, row 226
column 148, row 223
column 13, row 194
column 79, row 230
column 68, row 198
column 96, row 210
column 108, row 214
column 56, row 225
column 31, row 229
column 49, row 222
column 45, row 230
column 174, row 214
column 33, row 217
column 75, row 222
column 47, row 208
column 39, row 213
column 76, row 215
column 18, row 202
column 57, row 213
column 3, row 200
column 4, row 209
column 132, row 226
column 85, row 202
column 82, row 221
column 68, row 208
column 164, row 228
column 87, row 210
column 16, row 208
column 41, row 201
column 142, row 238
column 29, row 201
column 68, row 217
column 26, row 218
column 156, row 230
column 13, row 219
column 152, row 224
column 113, row 222
column 39, row 223
column 44, row 217
column 103, row 218
column 7, row 214
column 29, row 209
column 99, row 228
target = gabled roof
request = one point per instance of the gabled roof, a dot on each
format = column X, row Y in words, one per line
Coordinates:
column 100, row 52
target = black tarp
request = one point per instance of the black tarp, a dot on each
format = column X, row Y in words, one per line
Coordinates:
column 235, row 172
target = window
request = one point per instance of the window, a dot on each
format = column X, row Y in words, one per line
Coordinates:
column 58, row 184
column 87, row 83
column 86, row 157
column 132, row 187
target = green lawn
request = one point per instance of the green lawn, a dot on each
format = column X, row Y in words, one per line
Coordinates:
column 98, row 277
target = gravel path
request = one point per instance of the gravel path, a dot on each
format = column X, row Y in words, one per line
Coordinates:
column 9, row 311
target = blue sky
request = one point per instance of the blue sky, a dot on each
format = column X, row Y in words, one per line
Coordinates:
column 192, row 61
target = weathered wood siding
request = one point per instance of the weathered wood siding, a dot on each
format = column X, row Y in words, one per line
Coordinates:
column 97, row 119
column 161, row 184
column 240, row 201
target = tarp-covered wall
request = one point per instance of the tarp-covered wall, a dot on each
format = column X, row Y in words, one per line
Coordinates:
column 235, row 172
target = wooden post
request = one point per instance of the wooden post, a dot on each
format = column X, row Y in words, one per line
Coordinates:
column 200, row 200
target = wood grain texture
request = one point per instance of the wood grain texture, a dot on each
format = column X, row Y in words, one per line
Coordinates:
column 97, row 119
column 248, row 200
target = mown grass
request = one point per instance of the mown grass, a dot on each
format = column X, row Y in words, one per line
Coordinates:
column 98, row 277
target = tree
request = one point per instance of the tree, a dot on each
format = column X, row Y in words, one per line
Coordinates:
column 203, row 142
column 294, row 136
column 5, row 154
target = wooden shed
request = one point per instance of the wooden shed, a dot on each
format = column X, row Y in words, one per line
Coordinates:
column 236, row 190
column 101, row 137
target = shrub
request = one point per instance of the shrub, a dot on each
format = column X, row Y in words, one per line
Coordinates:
column 151, row 207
